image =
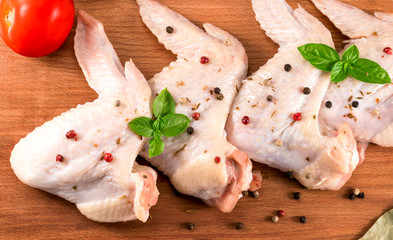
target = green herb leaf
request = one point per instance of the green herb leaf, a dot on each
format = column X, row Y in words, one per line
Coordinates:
column 368, row 71
column 142, row 126
column 351, row 55
column 175, row 124
column 156, row 147
column 339, row 71
column 157, row 135
column 320, row 56
column 158, row 124
column 163, row 104
column 382, row 228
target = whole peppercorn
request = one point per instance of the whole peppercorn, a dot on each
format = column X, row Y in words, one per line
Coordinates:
column 388, row 50
column 245, row 120
column 196, row 116
column 71, row 134
column 190, row 130
column 255, row 194
column 303, row 219
column 245, row 193
column 217, row 159
column 217, row 90
column 108, row 157
column 204, row 60
column 59, row 158
column 356, row 191
column 355, row 104
column 269, row 98
column 328, row 104
column 306, row 90
column 290, row 173
column 297, row 116
column 351, row 196
column 297, row 195
column 287, row 67
column 220, row 96
column 274, row 219
column 169, row 29
column 191, row 226
column 361, row 195
column 239, row 226
column 280, row 213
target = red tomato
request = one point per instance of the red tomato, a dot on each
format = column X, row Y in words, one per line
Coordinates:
column 35, row 28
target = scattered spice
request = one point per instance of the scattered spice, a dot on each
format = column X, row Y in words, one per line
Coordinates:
column 290, row 173
column 191, row 226
column 245, row 120
column 217, row 90
column 117, row 103
column 274, row 219
column 356, row 191
column 355, row 104
column 255, row 194
column 169, row 29
column 182, row 100
column 269, row 98
column 328, row 104
column 204, row 60
column 287, row 67
column 196, row 116
column 375, row 112
column 59, row 158
column 118, row 141
column 190, row 130
column 181, row 149
column 108, row 157
column 303, row 219
column 71, row 134
column 220, row 96
column 217, row 160
column 189, row 211
column 280, row 213
column 351, row 196
column 239, row 226
column 75, row 188
column 297, row 116
column 227, row 42
column 306, row 90
column 350, row 98
column 297, row 195
column 245, row 193
column 388, row 50
column 361, row 195
column 377, row 100
column 279, row 143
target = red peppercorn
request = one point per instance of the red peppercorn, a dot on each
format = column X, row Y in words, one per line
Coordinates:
column 245, row 120
column 280, row 213
column 388, row 50
column 217, row 159
column 196, row 116
column 297, row 116
column 71, row 134
column 108, row 157
column 204, row 60
column 59, row 158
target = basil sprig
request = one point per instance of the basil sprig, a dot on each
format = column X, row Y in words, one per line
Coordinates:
column 327, row 59
column 167, row 123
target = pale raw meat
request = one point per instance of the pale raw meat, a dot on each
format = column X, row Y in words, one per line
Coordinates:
column 272, row 136
column 104, row 191
column 372, row 120
column 189, row 160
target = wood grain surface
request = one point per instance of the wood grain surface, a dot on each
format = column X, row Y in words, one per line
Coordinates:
column 33, row 91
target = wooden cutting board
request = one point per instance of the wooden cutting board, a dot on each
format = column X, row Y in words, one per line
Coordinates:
column 35, row 90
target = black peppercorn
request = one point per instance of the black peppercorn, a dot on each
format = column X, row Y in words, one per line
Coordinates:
column 269, row 98
column 361, row 195
column 297, row 195
column 239, row 225
column 255, row 194
column 352, row 196
column 306, row 90
column 169, row 29
column 245, row 193
column 303, row 219
column 191, row 226
column 355, row 104
column 328, row 104
column 290, row 173
column 220, row 96
column 190, row 130
column 217, row 90
column 287, row 67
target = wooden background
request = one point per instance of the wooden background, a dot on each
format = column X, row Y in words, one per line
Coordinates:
column 35, row 90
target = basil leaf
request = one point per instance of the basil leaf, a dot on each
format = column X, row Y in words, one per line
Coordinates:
column 156, row 147
column 157, row 135
column 158, row 124
column 142, row 126
column 339, row 71
column 368, row 71
column 351, row 55
column 174, row 124
column 320, row 56
column 163, row 104
column 382, row 228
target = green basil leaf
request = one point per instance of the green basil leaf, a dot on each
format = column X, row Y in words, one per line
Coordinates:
column 156, row 147
column 158, row 124
column 339, row 71
column 320, row 56
column 382, row 228
column 368, row 71
column 351, row 55
column 142, row 126
column 175, row 124
column 157, row 135
column 163, row 104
